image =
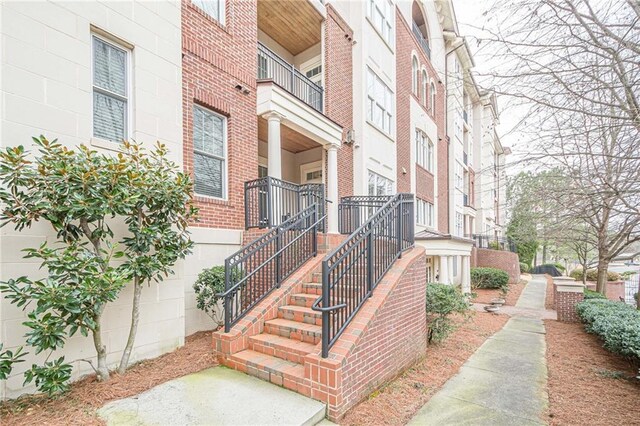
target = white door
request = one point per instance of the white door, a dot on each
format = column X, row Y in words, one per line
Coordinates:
column 311, row 172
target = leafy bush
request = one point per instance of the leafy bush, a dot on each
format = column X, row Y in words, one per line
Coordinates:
column 208, row 286
column 489, row 278
column 494, row 245
column 627, row 274
column 524, row 268
column 590, row 294
column 616, row 323
column 442, row 301
column 592, row 275
column 559, row 266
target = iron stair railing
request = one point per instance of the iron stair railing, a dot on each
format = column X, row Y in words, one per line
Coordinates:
column 254, row 271
column 355, row 210
column 353, row 270
column 269, row 202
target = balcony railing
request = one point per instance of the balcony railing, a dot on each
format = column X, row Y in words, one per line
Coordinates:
column 465, row 158
column 271, row 66
column 355, row 210
column 269, row 202
column 494, row 243
column 421, row 40
column 465, row 116
column 465, row 200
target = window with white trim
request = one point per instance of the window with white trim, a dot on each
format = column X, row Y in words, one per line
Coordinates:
column 213, row 8
column 415, row 72
column 379, row 102
column 380, row 12
column 459, row 224
column 424, row 213
column 458, row 176
column 424, row 150
column 379, row 185
column 425, row 84
column 111, row 90
column 433, row 98
column 209, row 153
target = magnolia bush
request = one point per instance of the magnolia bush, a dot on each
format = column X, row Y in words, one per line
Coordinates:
column 83, row 196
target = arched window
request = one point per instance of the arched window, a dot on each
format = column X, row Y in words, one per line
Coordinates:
column 419, row 28
column 433, row 98
column 416, row 76
column 425, row 96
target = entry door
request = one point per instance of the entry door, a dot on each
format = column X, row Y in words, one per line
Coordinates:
column 311, row 172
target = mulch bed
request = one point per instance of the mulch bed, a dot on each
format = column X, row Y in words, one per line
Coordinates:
column 77, row 407
column 484, row 295
column 398, row 401
column 587, row 384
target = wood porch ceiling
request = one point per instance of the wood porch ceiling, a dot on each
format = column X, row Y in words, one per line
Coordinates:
column 290, row 140
column 294, row 24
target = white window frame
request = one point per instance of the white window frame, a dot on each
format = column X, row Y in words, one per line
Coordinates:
column 225, row 159
column 221, row 11
column 387, row 19
column 388, row 183
column 415, row 76
column 424, row 150
column 433, row 98
column 96, row 140
column 425, row 90
column 459, row 224
column 387, row 110
column 424, row 213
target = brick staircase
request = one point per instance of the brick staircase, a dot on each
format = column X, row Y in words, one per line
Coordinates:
column 277, row 354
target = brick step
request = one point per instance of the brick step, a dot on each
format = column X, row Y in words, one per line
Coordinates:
column 309, row 333
column 303, row 299
column 316, row 277
column 316, row 288
column 269, row 368
column 281, row 347
column 300, row 314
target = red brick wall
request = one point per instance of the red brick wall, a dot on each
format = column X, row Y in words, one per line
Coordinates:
column 505, row 260
column 424, row 184
column 216, row 58
column 565, row 304
column 615, row 289
column 405, row 45
column 339, row 90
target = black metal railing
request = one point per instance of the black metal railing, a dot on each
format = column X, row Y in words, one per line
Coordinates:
column 269, row 202
column 254, row 271
column 465, row 158
column 271, row 66
column 465, row 116
column 422, row 41
column 465, row 200
column 494, row 243
column 352, row 271
column 355, row 210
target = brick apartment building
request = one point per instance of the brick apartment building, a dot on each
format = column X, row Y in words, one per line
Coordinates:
column 366, row 97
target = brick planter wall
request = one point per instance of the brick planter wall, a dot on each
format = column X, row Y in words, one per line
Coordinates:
column 505, row 260
column 567, row 295
column 615, row 289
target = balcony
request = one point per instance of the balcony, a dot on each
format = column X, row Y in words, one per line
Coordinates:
column 465, row 200
column 273, row 67
column 421, row 40
column 465, row 116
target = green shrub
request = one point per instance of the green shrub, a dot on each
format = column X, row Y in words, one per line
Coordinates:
column 590, row 294
column 560, row 267
column 489, row 278
column 524, row 268
column 442, row 301
column 208, row 286
column 616, row 323
column 592, row 275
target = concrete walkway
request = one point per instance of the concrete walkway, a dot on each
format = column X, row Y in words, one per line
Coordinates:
column 217, row 396
column 504, row 381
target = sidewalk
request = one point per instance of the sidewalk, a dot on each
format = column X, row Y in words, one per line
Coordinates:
column 504, row 381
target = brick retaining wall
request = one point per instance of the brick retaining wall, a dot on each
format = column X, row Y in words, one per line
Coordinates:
column 505, row 260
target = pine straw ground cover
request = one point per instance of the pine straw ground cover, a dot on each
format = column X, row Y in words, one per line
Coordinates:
column 398, row 401
column 548, row 301
column 587, row 384
column 484, row 295
column 77, row 407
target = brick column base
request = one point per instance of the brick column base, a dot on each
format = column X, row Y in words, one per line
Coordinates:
column 567, row 294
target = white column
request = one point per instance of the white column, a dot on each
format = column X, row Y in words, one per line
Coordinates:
column 274, row 154
column 450, row 259
column 466, row 274
column 444, row 270
column 332, row 188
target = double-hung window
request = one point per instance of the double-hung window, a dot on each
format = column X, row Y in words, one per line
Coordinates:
column 424, row 213
column 424, row 150
column 110, row 90
column 380, row 12
column 213, row 8
column 379, row 102
column 209, row 153
column 379, row 185
column 459, row 224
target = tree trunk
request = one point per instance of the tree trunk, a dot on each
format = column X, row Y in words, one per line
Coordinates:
column 603, row 268
column 102, row 371
column 544, row 253
column 135, row 315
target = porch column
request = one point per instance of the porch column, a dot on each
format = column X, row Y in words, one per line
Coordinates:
column 332, row 188
column 444, row 270
column 466, row 274
column 274, row 162
column 451, row 259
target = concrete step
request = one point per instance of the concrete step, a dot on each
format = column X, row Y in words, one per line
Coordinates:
column 300, row 314
column 303, row 299
column 269, row 368
column 309, row 333
column 281, row 347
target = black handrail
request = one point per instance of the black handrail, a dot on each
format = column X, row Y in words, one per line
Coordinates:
column 269, row 202
column 495, row 243
column 352, row 271
column 254, row 271
column 355, row 210
column 285, row 75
